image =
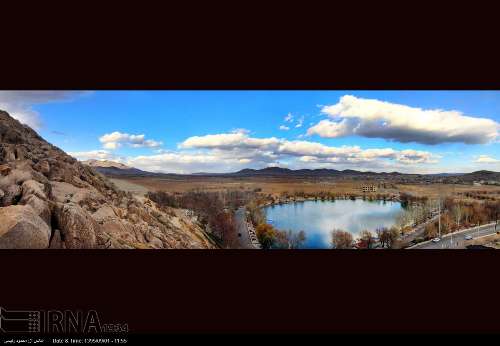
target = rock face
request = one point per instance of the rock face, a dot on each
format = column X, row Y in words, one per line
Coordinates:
column 22, row 228
column 78, row 229
column 49, row 199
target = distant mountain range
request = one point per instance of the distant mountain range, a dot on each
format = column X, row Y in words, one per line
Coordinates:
column 118, row 169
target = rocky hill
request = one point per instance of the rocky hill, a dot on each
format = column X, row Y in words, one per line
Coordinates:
column 50, row 200
column 112, row 168
column 105, row 164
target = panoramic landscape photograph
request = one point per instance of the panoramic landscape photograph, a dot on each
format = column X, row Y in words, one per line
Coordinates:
column 257, row 170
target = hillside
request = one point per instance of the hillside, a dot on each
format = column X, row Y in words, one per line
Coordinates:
column 481, row 175
column 105, row 164
column 50, row 200
column 112, row 168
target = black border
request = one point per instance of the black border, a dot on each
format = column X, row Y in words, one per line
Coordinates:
column 197, row 291
column 247, row 291
column 219, row 46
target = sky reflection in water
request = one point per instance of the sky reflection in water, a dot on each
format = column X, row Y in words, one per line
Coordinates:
column 319, row 218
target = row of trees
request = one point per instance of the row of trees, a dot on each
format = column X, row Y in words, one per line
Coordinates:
column 213, row 209
column 457, row 214
column 256, row 214
column 344, row 240
column 415, row 212
column 272, row 238
column 330, row 195
column 409, row 199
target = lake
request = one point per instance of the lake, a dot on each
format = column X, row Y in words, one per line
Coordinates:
column 319, row 218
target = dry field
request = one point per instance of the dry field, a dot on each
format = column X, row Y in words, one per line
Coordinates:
column 273, row 186
column 490, row 241
column 455, row 190
column 277, row 186
column 129, row 186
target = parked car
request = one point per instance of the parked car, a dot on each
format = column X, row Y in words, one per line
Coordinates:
column 435, row 240
column 468, row 237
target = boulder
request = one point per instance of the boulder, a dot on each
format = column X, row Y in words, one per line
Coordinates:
column 11, row 195
column 43, row 167
column 22, row 228
column 40, row 207
column 78, row 229
column 8, row 153
column 32, row 187
column 103, row 213
column 19, row 176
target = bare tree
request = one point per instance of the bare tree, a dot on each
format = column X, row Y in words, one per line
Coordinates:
column 431, row 230
column 467, row 214
column 341, row 239
column 381, row 235
column 392, row 237
column 367, row 237
column 457, row 213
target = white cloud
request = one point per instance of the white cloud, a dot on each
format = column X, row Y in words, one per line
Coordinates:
column 329, row 129
column 227, row 152
column 184, row 163
column 111, row 145
column 115, row 139
column 374, row 118
column 486, row 159
column 265, row 151
column 19, row 104
column 323, row 153
column 289, row 118
column 300, row 122
column 410, row 156
column 284, row 128
column 228, row 141
column 305, row 148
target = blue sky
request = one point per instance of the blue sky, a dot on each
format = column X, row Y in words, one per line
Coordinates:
column 220, row 131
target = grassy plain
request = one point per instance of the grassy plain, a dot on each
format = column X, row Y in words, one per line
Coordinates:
column 277, row 186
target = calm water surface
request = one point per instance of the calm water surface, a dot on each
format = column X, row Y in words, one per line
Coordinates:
column 319, row 218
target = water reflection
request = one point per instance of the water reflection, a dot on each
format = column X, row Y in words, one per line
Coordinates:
column 318, row 218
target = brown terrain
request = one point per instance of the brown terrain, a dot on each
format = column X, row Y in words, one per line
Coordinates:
column 278, row 186
column 490, row 241
column 50, row 200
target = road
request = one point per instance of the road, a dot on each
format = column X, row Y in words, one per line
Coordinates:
column 457, row 240
column 419, row 231
column 245, row 241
